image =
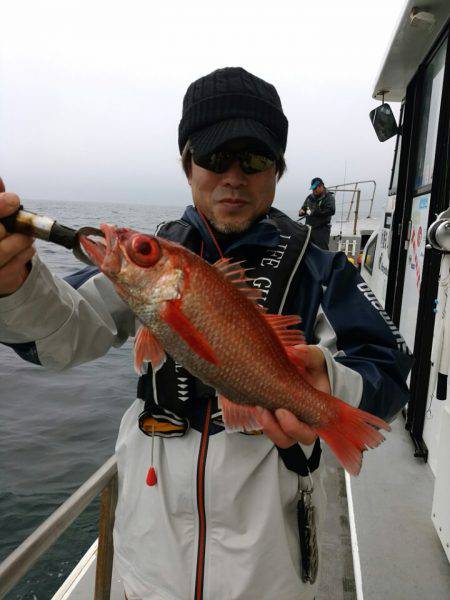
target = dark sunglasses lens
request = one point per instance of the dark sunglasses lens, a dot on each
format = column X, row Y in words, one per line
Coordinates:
column 254, row 163
column 218, row 162
column 221, row 160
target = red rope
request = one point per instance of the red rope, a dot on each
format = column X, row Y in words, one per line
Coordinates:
column 213, row 237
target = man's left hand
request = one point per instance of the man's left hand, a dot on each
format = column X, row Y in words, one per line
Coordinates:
column 283, row 427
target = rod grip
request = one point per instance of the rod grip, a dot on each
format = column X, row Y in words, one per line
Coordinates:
column 63, row 236
column 9, row 222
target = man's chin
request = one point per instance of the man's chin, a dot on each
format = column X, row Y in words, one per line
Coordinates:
column 229, row 226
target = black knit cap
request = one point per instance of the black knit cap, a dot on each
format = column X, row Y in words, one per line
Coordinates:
column 228, row 104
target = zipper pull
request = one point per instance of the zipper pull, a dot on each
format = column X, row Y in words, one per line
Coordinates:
column 151, row 479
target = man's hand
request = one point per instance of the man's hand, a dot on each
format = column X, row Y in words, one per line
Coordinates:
column 283, row 428
column 301, row 212
column 16, row 250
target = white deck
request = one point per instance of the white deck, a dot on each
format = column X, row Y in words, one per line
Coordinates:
column 80, row 584
column 400, row 552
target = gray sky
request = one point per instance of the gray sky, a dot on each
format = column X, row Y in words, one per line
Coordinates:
column 91, row 92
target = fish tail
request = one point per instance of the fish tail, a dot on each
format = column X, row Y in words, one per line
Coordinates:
column 351, row 432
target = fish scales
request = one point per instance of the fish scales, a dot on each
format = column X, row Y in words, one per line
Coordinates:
column 198, row 314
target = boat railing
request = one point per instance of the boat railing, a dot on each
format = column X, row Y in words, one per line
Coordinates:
column 20, row 561
column 355, row 203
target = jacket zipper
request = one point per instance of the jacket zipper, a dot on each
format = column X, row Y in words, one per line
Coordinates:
column 201, row 465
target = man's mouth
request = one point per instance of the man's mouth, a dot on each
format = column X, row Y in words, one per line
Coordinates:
column 233, row 202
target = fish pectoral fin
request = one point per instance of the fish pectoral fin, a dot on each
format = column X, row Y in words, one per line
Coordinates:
column 147, row 347
column 238, row 417
column 173, row 315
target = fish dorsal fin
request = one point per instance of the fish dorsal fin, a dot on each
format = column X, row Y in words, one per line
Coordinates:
column 226, row 266
column 280, row 325
column 147, row 348
column 236, row 274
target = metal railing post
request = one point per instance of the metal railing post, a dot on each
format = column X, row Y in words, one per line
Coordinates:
column 105, row 552
column 358, row 195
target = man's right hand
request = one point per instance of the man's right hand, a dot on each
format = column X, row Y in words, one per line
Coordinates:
column 16, row 250
column 301, row 212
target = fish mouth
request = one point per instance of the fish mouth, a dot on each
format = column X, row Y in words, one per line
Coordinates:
column 98, row 244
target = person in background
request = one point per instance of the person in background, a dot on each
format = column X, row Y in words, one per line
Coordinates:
column 218, row 518
column 319, row 207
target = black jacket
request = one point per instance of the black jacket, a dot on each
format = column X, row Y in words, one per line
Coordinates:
column 322, row 209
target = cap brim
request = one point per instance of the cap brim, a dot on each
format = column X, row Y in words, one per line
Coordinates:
column 212, row 137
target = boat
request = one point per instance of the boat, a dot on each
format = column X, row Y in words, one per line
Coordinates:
column 353, row 222
column 395, row 517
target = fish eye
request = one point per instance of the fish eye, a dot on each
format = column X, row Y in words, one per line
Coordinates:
column 143, row 247
column 143, row 250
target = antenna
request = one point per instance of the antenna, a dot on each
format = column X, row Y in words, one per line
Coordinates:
column 342, row 201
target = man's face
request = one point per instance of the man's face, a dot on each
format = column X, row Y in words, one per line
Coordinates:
column 318, row 191
column 233, row 200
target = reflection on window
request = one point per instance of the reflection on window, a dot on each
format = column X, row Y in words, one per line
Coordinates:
column 429, row 118
column 370, row 255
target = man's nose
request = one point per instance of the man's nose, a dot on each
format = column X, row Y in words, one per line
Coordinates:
column 235, row 176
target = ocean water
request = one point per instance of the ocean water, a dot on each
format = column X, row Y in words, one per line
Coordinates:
column 56, row 429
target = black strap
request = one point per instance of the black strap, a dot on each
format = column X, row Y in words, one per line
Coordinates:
column 295, row 460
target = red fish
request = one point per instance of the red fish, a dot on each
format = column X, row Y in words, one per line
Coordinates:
column 207, row 318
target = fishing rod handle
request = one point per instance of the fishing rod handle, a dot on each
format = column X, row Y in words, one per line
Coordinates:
column 41, row 227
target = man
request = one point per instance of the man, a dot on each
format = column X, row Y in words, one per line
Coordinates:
column 319, row 207
column 221, row 519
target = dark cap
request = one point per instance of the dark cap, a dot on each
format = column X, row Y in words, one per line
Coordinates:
column 315, row 182
column 228, row 104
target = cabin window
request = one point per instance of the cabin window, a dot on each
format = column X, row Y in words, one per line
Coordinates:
column 370, row 255
column 429, row 118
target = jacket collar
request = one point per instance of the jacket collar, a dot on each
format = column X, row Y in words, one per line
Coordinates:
column 262, row 233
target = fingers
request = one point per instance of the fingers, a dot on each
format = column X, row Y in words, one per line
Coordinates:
column 16, row 250
column 12, row 246
column 272, row 429
column 9, row 203
column 14, row 273
column 284, row 429
column 294, row 428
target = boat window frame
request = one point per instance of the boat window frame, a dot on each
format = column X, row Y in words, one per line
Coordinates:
column 421, row 114
column 369, row 247
column 393, row 182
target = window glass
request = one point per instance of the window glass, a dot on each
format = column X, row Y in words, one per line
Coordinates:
column 370, row 255
column 429, row 118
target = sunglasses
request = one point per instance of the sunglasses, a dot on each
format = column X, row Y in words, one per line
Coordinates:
column 220, row 161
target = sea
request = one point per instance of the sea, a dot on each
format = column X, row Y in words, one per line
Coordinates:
column 57, row 429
